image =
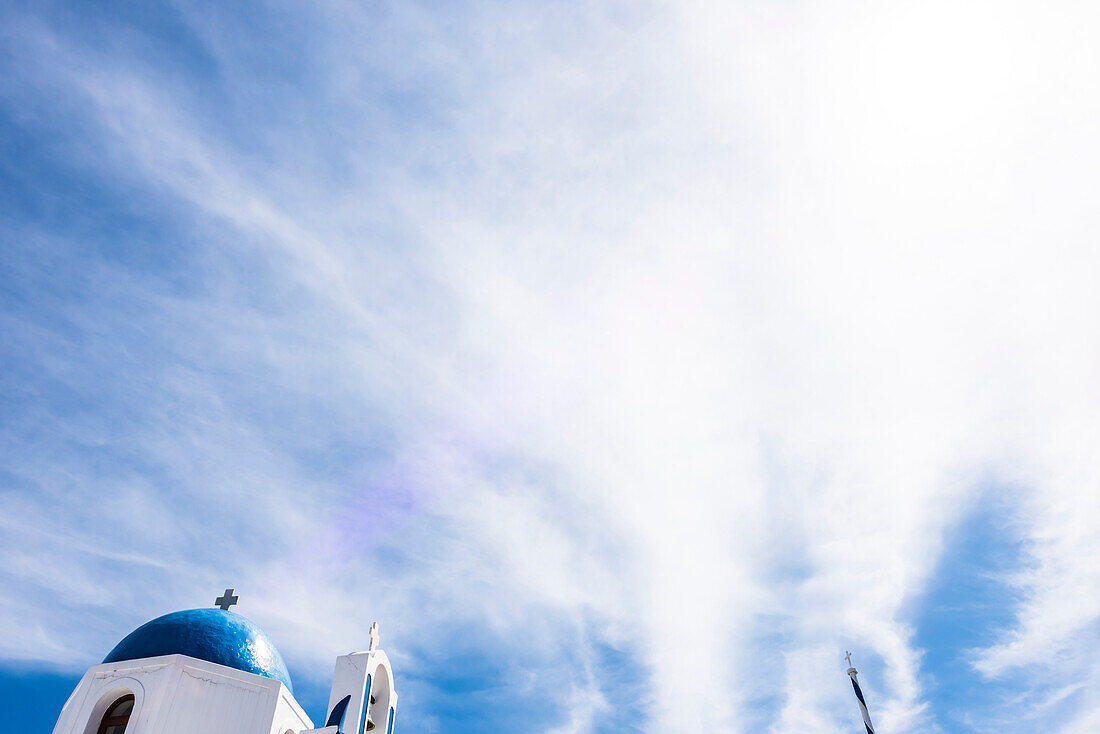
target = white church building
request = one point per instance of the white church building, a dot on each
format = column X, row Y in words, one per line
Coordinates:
column 213, row 671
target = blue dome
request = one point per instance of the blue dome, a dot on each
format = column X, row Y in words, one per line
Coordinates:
column 213, row 635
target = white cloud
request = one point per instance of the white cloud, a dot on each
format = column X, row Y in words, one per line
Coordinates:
column 716, row 319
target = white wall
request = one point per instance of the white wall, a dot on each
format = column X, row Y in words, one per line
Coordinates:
column 176, row 694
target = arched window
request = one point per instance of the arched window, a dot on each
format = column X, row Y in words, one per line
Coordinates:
column 117, row 716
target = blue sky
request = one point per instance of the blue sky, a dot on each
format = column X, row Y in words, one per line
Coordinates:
column 628, row 362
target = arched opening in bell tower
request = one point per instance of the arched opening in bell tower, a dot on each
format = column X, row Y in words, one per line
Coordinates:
column 380, row 699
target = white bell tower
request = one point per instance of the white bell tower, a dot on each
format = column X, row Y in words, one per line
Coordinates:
column 363, row 698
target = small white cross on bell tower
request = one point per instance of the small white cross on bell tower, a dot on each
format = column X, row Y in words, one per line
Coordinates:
column 374, row 637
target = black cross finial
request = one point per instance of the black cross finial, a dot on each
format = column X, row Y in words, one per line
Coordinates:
column 225, row 601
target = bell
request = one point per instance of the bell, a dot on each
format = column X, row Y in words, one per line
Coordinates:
column 370, row 724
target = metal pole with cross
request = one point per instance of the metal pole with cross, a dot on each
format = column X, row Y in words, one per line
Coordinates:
column 859, row 694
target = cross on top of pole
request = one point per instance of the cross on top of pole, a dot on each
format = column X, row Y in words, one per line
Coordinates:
column 848, row 657
column 226, row 600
